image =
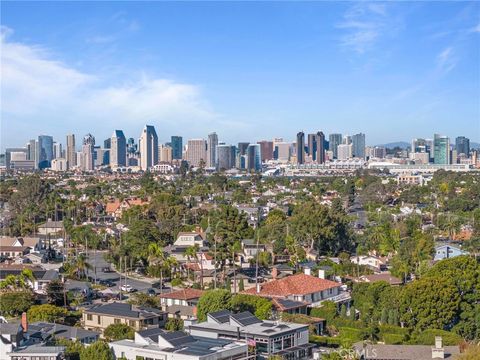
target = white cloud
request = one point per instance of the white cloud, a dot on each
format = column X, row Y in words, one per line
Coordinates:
column 446, row 60
column 40, row 94
column 363, row 25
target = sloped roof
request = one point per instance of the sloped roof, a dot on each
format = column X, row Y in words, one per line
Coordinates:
column 184, row 294
column 299, row 284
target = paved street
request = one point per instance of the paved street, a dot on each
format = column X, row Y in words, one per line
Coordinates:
column 98, row 262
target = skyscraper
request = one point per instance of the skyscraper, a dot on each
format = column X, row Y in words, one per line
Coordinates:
column 242, row 147
column 148, row 145
column 462, row 145
column 254, row 158
column 44, row 151
column 224, row 157
column 344, row 151
column 300, row 147
column 196, row 152
column 88, row 147
column 266, row 148
column 319, row 148
column 312, row 146
column 165, row 153
column 71, row 152
column 212, row 149
column 177, row 147
column 107, row 143
column 118, row 149
column 57, row 150
column 334, row 140
column 441, row 146
column 32, row 150
column 358, row 146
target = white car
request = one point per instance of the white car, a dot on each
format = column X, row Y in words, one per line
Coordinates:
column 126, row 288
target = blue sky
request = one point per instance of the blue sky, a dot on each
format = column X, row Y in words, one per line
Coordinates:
column 246, row 70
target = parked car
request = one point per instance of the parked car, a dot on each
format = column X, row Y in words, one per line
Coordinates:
column 107, row 270
column 151, row 292
column 126, row 288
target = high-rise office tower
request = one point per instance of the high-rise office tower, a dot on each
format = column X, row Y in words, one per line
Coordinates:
column 118, row 149
column 320, row 148
column 165, row 153
column 32, row 150
column 344, row 151
column 148, row 145
column 462, row 145
column 212, row 149
column 333, row 141
column 57, row 150
column 44, row 151
column 196, row 152
column 224, row 157
column 71, row 152
column 358, row 146
column 312, row 146
column 441, row 146
column 300, row 147
column 254, row 158
column 266, row 148
column 88, row 156
column 177, row 146
column 242, row 148
column 347, row 139
column 107, row 143
column 418, row 145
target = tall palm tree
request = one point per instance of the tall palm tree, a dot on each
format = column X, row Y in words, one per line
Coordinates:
column 156, row 257
column 234, row 249
column 81, row 266
column 191, row 253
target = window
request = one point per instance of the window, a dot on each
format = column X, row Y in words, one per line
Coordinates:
column 117, row 321
column 89, row 317
column 99, row 320
column 132, row 323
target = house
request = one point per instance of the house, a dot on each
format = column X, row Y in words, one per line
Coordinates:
column 182, row 303
column 289, row 306
column 100, row 316
column 37, row 352
column 288, row 340
column 192, row 238
column 302, row 287
column 116, row 207
column 447, row 251
column 373, row 262
column 43, row 330
column 33, row 243
column 250, row 249
column 392, row 280
column 12, row 252
column 177, row 345
column 42, row 277
column 11, row 336
column 406, row 352
column 51, row 227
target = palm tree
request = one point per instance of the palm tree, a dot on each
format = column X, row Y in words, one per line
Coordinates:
column 234, row 249
column 156, row 257
column 80, row 266
column 190, row 253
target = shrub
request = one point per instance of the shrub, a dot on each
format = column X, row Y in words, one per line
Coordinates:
column 116, row 332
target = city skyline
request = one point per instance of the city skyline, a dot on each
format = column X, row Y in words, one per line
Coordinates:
column 336, row 67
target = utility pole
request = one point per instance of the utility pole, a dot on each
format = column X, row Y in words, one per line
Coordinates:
column 256, row 264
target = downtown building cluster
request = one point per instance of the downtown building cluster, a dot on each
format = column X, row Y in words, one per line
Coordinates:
column 147, row 154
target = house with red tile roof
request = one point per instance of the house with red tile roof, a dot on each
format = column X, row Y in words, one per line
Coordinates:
column 116, row 207
column 301, row 288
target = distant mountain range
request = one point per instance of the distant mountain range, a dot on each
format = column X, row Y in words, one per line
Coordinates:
column 404, row 144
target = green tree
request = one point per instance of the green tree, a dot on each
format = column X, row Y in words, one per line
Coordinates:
column 431, row 302
column 211, row 301
column 174, row 324
column 46, row 313
column 15, row 302
column 257, row 305
column 55, row 292
column 73, row 349
column 116, row 332
column 99, row 350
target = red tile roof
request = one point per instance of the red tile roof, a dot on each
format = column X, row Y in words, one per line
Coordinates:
column 184, row 294
column 299, row 284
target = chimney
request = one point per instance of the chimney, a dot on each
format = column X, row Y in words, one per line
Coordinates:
column 24, row 322
column 438, row 352
column 321, row 273
column 307, row 271
column 274, row 273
